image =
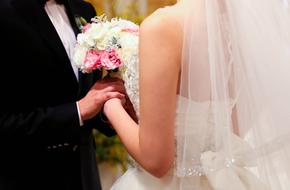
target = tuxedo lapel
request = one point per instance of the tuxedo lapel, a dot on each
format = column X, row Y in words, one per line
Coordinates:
column 72, row 16
column 76, row 8
column 34, row 14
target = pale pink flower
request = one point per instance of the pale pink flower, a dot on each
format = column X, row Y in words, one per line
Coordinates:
column 86, row 27
column 92, row 60
column 130, row 30
column 110, row 59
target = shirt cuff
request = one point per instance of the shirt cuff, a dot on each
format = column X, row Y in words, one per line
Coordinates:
column 79, row 113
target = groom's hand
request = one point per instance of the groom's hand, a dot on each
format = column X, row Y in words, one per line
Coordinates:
column 102, row 91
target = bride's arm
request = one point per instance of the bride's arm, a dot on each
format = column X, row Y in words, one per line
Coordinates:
column 152, row 142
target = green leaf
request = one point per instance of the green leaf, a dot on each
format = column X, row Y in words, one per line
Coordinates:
column 80, row 22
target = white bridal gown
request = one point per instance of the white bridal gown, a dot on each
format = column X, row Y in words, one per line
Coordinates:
column 239, row 49
column 227, row 175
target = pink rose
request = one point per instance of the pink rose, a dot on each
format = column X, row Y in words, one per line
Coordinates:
column 86, row 27
column 130, row 30
column 93, row 60
column 110, row 59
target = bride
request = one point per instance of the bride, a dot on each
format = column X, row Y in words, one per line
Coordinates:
column 214, row 98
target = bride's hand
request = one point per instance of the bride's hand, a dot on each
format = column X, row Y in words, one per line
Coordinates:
column 115, row 104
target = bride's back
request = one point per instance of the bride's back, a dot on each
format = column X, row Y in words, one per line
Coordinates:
column 186, row 21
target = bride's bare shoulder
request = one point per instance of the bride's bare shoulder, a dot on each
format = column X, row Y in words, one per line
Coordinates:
column 164, row 19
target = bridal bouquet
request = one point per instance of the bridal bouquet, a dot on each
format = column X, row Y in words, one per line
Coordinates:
column 110, row 45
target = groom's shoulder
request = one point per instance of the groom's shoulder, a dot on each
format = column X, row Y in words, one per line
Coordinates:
column 82, row 8
column 81, row 4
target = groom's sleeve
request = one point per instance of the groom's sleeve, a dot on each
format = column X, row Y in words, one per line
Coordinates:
column 101, row 123
column 47, row 124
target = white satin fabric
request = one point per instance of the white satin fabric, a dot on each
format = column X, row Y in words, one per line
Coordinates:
column 211, row 173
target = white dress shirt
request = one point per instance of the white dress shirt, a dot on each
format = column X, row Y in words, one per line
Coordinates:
column 60, row 20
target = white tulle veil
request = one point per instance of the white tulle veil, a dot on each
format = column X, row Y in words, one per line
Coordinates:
column 236, row 58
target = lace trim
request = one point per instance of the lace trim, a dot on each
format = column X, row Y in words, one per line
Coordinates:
column 131, row 78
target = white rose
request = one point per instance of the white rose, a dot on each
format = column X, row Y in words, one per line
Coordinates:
column 104, row 42
column 79, row 56
column 124, row 24
column 128, row 40
column 98, row 31
column 129, row 43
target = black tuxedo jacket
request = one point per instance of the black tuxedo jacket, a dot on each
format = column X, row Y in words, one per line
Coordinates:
column 42, row 145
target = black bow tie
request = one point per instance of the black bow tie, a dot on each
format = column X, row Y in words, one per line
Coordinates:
column 61, row 2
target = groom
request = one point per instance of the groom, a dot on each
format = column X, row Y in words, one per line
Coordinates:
column 47, row 108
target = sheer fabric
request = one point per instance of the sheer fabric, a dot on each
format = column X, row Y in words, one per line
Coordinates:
column 236, row 60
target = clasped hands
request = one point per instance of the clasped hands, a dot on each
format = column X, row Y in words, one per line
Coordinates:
column 107, row 89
